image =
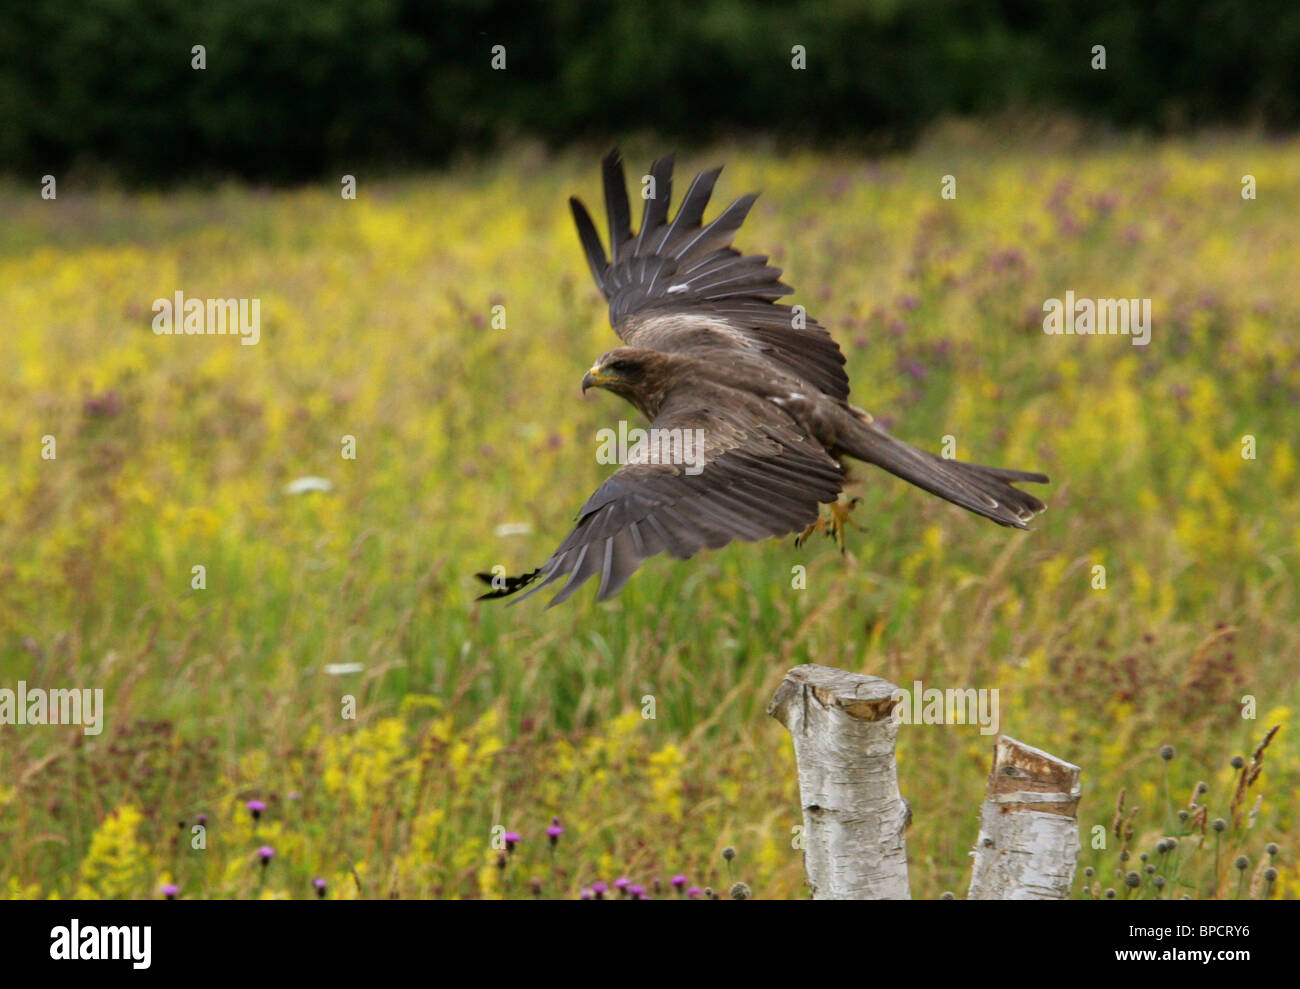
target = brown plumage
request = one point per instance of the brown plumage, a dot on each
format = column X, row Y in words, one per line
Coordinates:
column 710, row 352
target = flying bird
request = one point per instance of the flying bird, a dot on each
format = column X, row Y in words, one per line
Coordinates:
column 749, row 396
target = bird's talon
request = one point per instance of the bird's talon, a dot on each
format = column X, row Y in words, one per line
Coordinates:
column 833, row 525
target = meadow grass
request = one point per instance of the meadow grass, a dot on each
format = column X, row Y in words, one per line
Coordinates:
column 173, row 452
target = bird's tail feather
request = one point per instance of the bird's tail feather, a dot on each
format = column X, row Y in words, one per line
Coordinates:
column 986, row 491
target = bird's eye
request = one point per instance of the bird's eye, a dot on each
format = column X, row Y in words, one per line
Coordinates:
column 620, row 365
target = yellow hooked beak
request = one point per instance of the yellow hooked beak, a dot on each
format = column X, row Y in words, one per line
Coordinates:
column 594, row 379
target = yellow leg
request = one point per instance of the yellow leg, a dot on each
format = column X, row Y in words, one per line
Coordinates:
column 818, row 526
column 840, row 521
column 834, row 524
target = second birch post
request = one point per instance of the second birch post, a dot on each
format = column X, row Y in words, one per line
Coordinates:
column 1029, row 829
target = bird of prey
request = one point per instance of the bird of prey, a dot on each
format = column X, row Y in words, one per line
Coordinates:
column 709, row 354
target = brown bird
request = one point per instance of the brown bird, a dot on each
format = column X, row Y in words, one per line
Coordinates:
column 747, row 399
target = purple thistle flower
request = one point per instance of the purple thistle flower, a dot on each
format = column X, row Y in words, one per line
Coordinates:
column 585, row 894
column 170, row 891
column 202, row 819
column 511, row 838
column 678, row 881
column 600, row 889
column 914, row 369
column 636, row 891
column 320, row 885
column 1059, row 192
column 255, row 807
column 554, row 832
column 1007, row 257
column 1104, row 202
column 107, row 405
column 621, row 884
column 266, row 853
column 694, row 892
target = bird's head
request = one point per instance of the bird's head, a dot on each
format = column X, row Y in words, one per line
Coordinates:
column 633, row 373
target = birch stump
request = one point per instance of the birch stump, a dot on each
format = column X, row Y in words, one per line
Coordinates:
column 1029, row 830
column 854, row 817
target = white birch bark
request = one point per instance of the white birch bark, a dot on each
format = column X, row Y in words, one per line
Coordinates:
column 1028, row 843
column 854, row 817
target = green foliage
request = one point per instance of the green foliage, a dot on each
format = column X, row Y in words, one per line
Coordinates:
column 298, row 91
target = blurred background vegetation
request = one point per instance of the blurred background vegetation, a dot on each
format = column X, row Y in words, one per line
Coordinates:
column 474, row 447
column 296, row 91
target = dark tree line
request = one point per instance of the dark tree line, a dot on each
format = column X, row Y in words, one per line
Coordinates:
column 295, row 90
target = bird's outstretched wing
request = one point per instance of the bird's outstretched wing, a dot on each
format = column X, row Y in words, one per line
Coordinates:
column 671, row 269
column 758, row 476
